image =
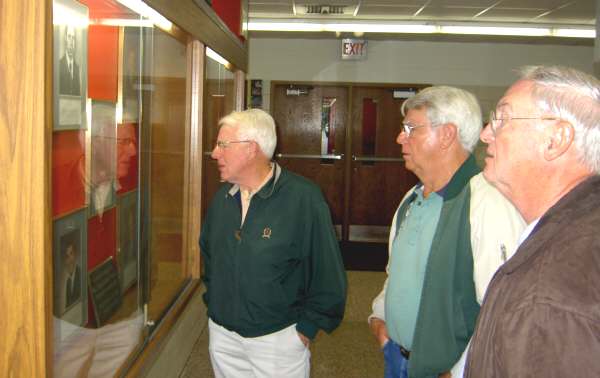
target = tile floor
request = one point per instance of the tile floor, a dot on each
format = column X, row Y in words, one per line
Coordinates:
column 349, row 352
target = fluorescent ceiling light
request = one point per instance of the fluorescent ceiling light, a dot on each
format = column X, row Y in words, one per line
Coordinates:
column 415, row 28
column 577, row 33
column 340, row 27
column 63, row 15
column 123, row 22
column 144, row 10
column 495, row 30
column 216, row 57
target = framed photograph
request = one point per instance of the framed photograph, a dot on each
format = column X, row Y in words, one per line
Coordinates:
column 127, row 252
column 70, row 267
column 131, row 73
column 256, row 94
column 103, row 156
column 70, row 64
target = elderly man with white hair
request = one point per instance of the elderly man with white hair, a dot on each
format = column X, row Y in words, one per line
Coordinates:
column 271, row 261
column 448, row 237
column 541, row 315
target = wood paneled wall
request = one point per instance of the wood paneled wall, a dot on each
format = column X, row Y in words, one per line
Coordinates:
column 25, row 122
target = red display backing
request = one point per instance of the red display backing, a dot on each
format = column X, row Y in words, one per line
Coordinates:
column 102, row 240
column 230, row 11
column 103, row 62
column 68, row 169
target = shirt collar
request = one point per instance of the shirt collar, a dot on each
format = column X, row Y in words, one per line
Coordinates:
column 267, row 187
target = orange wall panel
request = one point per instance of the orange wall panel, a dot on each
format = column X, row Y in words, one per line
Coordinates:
column 230, row 11
column 68, row 167
column 103, row 62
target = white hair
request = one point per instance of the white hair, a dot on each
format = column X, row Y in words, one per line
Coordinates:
column 256, row 125
column 575, row 97
column 450, row 105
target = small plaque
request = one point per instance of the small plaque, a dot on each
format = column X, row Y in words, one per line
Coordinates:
column 105, row 290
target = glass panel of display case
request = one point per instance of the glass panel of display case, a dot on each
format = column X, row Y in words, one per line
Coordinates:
column 166, row 123
column 118, row 156
column 219, row 100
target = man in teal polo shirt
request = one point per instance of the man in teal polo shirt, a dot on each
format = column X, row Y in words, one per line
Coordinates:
column 448, row 237
column 271, row 262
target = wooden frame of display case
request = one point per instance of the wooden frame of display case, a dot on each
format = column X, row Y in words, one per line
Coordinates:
column 26, row 115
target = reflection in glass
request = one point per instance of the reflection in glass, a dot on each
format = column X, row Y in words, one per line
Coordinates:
column 166, row 126
column 95, row 185
column 219, row 100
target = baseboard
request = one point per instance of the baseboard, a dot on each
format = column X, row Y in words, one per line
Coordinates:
column 179, row 344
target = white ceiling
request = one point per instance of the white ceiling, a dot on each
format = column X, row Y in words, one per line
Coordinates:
column 520, row 13
column 553, row 12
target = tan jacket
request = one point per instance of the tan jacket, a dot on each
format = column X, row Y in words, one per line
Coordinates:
column 541, row 313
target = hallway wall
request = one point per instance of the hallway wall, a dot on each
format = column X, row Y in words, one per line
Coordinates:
column 484, row 68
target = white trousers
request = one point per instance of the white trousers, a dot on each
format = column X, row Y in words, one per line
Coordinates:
column 280, row 354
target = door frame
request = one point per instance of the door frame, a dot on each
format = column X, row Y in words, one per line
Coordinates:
column 348, row 130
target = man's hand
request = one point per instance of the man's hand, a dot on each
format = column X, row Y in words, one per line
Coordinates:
column 305, row 340
column 445, row 375
column 379, row 330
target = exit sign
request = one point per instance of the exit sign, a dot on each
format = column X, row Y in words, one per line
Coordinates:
column 355, row 49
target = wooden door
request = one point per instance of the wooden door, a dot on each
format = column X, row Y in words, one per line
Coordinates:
column 378, row 177
column 311, row 137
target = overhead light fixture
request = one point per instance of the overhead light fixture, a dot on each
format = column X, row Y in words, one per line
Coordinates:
column 349, row 27
column 123, row 22
column 216, row 57
column 144, row 10
column 574, row 33
column 418, row 28
column 63, row 15
column 494, row 30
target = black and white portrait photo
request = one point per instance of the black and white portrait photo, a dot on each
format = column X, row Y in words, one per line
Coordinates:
column 70, row 64
column 69, row 72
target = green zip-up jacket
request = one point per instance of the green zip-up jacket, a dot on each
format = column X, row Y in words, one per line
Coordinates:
column 283, row 266
column 448, row 307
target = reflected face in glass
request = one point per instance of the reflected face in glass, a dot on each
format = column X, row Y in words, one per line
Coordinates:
column 232, row 158
column 70, row 41
column 420, row 147
column 126, row 148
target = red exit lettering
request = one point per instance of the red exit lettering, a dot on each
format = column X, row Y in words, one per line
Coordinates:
column 353, row 48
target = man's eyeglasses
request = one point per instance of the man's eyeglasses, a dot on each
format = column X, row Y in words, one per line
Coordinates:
column 125, row 141
column 496, row 123
column 408, row 128
column 223, row 144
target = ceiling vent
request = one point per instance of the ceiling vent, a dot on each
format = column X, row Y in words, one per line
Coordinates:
column 325, row 10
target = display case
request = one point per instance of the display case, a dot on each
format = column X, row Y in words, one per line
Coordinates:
column 121, row 117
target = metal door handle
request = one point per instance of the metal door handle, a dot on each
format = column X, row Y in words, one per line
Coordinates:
column 375, row 158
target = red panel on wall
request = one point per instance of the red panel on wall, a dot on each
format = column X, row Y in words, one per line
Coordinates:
column 230, row 11
column 102, row 240
column 127, row 157
column 369, row 126
column 103, row 62
column 68, row 168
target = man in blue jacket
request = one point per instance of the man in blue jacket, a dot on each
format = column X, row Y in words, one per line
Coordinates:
column 271, row 262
